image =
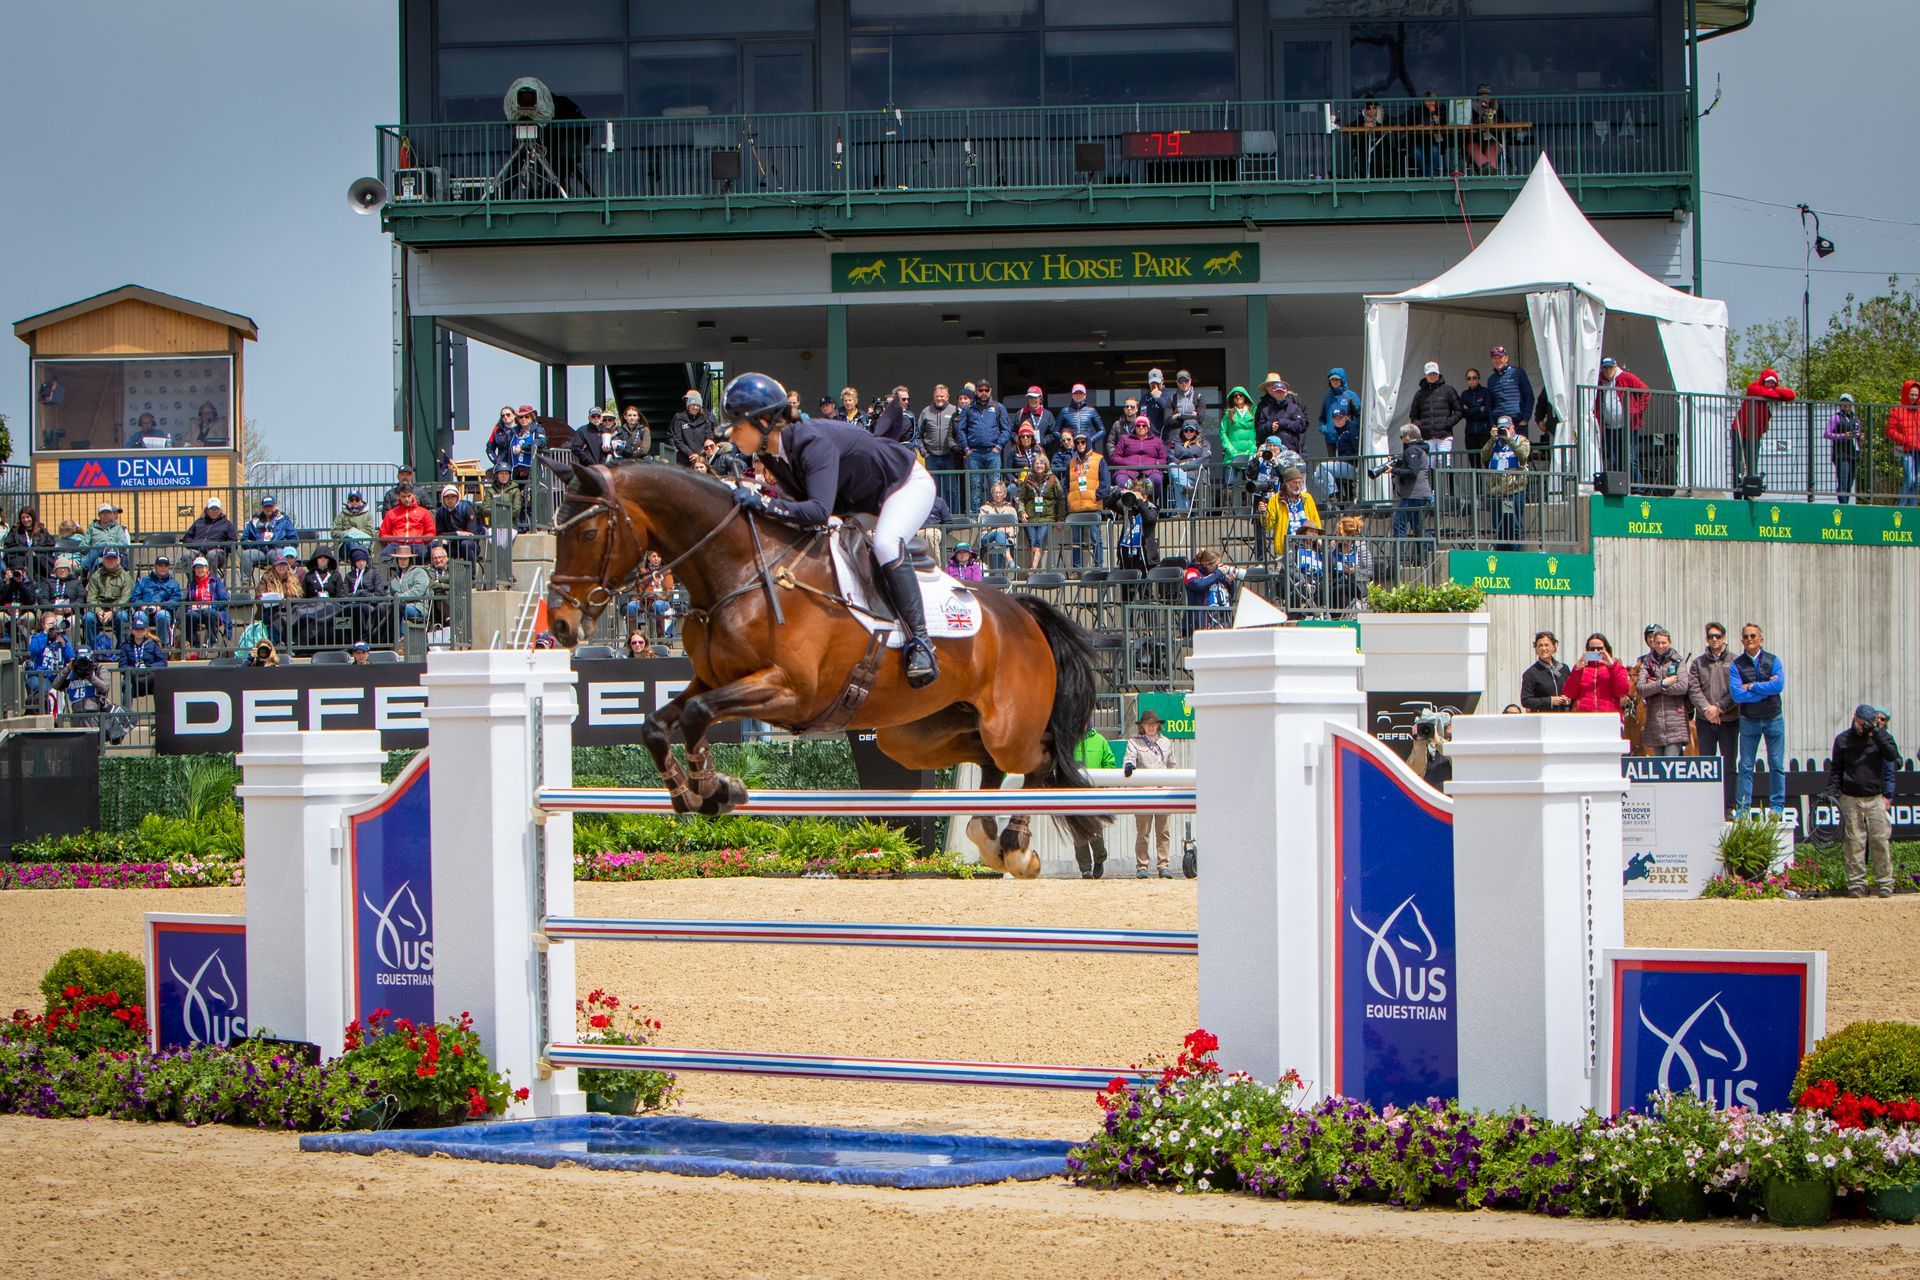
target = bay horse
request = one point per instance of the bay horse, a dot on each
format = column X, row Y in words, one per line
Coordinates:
column 770, row 639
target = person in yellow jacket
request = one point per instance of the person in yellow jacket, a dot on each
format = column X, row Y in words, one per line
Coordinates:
column 1289, row 509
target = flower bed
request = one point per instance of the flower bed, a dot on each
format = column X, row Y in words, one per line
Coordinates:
column 191, row 874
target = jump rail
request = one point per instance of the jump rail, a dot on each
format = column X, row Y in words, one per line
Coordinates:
column 895, row 1070
column 1039, row 801
column 821, row 933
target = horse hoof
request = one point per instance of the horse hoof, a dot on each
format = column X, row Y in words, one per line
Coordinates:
column 725, row 795
column 1022, row 864
column 986, row 842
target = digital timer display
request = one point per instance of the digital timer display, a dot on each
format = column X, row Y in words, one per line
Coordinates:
column 1181, row 144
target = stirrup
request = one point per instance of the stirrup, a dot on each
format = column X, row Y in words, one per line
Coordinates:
column 916, row 649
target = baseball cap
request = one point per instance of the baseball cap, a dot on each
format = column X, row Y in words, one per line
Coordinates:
column 1034, row 393
column 1154, row 375
column 404, row 469
column 214, row 504
column 827, row 400
column 1271, row 440
column 105, row 507
column 1431, row 367
column 290, row 554
column 1341, row 411
column 269, row 501
column 1496, row 351
column 198, row 561
column 1183, row 376
column 163, row 558
column 361, row 646
column 1847, row 396
column 1504, row 420
column 110, row 552
column 1079, row 389
column 1608, row 362
column 1866, row 712
column 596, row 412
column 140, row 620
column 526, row 409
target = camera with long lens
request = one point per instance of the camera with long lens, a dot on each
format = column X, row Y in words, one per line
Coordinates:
column 1374, row 473
column 528, row 101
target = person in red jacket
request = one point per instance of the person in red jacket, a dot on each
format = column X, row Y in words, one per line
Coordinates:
column 1620, row 410
column 408, row 522
column 1598, row 682
column 1756, row 414
column 1903, row 430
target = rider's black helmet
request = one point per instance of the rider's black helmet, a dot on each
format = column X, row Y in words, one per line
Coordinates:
column 752, row 395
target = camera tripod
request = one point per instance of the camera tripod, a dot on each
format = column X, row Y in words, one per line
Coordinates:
column 527, row 170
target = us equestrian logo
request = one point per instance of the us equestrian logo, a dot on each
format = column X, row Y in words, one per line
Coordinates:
column 197, row 1016
column 1415, row 985
column 1709, row 1055
column 406, row 959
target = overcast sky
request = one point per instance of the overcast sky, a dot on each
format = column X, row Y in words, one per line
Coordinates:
column 205, row 150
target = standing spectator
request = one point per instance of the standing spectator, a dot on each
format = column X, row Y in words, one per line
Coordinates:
column 499, row 442
column 1279, row 413
column 1620, row 410
column 1665, row 684
column 109, row 595
column 1476, row 408
column 26, row 545
column 1025, row 453
column 529, row 437
column 1903, row 432
column 140, row 655
column 595, row 445
column 408, row 523
column 1598, row 683
column 48, row 653
column 1042, row 505
column 1187, row 467
column 633, row 438
column 457, row 522
column 1546, row 425
column 267, row 534
column 1756, row 680
column 1081, row 419
column 1505, row 455
column 205, row 604
column 1485, row 148
column 794, row 407
column 1188, row 406
column 1437, row 411
column 158, row 592
column 1209, row 586
column 1093, row 751
column 1751, row 423
column 690, row 429
column 1861, row 771
column 354, row 522
column 1140, row 454
column 1541, row 683
column 1508, row 387
column 1716, row 716
column 105, row 531
column 1412, row 485
column 1157, row 404
column 1240, row 432
column 596, row 422
column 896, row 420
column 1035, row 414
column 1844, row 434
column 851, row 412
column 984, row 433
column 1149, row 749
column 403, row 483
column 1339, row 395
column 962, row 564
column 1088, row 486
column 829, row 410
column 1289, row 511
column 62, row 595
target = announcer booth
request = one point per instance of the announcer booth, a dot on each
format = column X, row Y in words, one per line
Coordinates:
column 136, row 400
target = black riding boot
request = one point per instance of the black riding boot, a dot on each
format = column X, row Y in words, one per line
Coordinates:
column 904, row 587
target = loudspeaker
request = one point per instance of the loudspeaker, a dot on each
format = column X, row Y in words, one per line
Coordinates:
column 725, row 166
column 1751, row 487
column 366, row 195
column 1611, row 483
column 1090, row 157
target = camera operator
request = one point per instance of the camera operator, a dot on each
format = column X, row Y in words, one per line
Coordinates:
column 48, row 653
column 1412, row 484
column 264, row 655
column 19, row 606
column 1137, row 545
column 1431, row 734
column 893, row 417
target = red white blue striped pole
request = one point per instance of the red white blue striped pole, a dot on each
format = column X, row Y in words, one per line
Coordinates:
column 1167, row 942
column 1039, row 801
column 1013, row 1075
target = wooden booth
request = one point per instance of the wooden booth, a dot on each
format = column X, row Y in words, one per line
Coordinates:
column 137, row 400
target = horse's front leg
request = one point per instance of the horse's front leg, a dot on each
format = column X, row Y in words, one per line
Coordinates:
column 764, row 695
column 656, row 734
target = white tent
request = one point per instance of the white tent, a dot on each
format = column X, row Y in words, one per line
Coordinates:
column 1542, row 283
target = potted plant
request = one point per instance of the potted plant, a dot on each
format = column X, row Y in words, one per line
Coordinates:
column 1425, row 638
column 1796, row 1160
column 606, row 1019
column 428, row 1074
column 1748, row 846
column 1891, row 1175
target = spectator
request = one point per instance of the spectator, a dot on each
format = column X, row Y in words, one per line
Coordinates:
column 1372, row 152
column 1188, row 407
column 1861, row 771
column 1279, row 413
column 362, row 581
column 1079, row 418
column 655, row 592
column 457, row 523
column 499, row 443
column 690, row 428
column 105, row 531
column 940, row 445
column 829, row 410
column 1240, row 432
column 1756, row 680
column 1337, row 477
column 1432, row 731
column 140, row 655
column 1042, row 505
column 597, row 444
column 1844, row 434
column 69, row 541
column 26, row 545
column 529, row 437
column 1903, row 431
column 1412, row 485
column 1598, row 683
column 1209, row 586
column 1156, row 404
column 633, row 438
column 997, row 541
column 1485, row 148
column 1476, row 408
column 1093, row 751
column 267, row 534
column 1620, row 410
column 1350, row 563
column 503, row 489
column 85, row 685
column 264, row 654
column 1291, row 509
column 1187, row 465
column 109, row 595
column 158, row 592
column 1508, row 387
column 895, row 421
column 1088, row 486
column 322, row 588
column 793, row 404
column 1505, row 455
column 19, row 607
column 1139, row 455
column 962, row 564
column 353, row 523
column 408, row 523
column 1716, row 716
column 1437, row 411
column 359, row 654
column 206, row 604
column 1025, row 453
column 1751, row 423
column 1546, row 426
column 412, row 584
column 48, row 653
column 403, row 483
column 1036, row 415
column 984, row 433
column 279, row 586
column 1337, row 395
column 1664, row 682
column 596, row 422
column 1149, row 749
column 62, row 593
column 851, row 412
column 638, row 646
column 1542, row 683
column 1137, row 544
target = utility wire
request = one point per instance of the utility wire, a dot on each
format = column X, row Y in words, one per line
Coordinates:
column 1825, row 213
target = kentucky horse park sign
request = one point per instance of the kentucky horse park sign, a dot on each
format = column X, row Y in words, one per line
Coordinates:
column 1024, row 268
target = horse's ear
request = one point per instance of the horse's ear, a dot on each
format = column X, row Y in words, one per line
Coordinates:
column 590, row 482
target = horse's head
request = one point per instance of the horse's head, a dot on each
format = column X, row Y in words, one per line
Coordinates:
column 598, row 548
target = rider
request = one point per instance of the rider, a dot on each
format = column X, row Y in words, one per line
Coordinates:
column 823, row 469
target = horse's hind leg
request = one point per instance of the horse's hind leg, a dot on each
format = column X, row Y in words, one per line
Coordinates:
column 952, row 737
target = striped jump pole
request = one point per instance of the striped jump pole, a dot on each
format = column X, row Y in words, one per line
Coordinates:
column 1039, row 801
column 1163, row 942
column 1011, row 1075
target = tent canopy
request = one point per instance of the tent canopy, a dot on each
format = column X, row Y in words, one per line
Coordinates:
column 1541, row 283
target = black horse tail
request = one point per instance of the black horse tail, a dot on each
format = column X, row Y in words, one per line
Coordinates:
column 1072, row 713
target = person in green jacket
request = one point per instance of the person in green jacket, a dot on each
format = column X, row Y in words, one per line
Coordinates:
column 354, row 522
column 1237, row 435
column 1093, row 752
column 109, row 595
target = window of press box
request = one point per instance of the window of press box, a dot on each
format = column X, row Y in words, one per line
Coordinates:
column 1137, row 13
column 729, row 17
column 1140, row 66
column 679, row 77
column 1404, row 59
column 1360, row 10
column 473, row 81
column 1567, row 55
column 502, row 21
column 994, row 69
column 941, row 15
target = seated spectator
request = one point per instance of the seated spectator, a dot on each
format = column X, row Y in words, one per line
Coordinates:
column 699, row 463
column 997, row 543
column 962, row 564
column 322, row 587
column 267, row 536
column 354, row 522
column 1139, row 454
column 105, row 531
column 1137, row 542
column 440, row 577
column 1209, row 585
column 26, row 545
column 264, row 654
column 19, row 607
column 638, row 646
column 68, row 541
column 212, row 535
column 1349, row 564
column 457, row 523
column 278, row 586
column 158, row 592
column 64, row 592
column 48, row 653
column 1188, row 463
column 109, row 595
column 1306, row 565
column 205, row 604
column 412, row 585
column 1042, row 505
column 362, row 581
column 140, row 655
column 402, row 483
column 359, row 654
column 408, row 523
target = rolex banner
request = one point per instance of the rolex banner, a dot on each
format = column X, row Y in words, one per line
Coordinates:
column 1736, row 520
column 1523, row 573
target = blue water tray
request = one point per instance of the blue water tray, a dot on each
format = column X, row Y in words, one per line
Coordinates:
column 707, row 1148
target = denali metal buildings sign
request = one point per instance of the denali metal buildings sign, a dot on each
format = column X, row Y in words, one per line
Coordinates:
column 1042, row 268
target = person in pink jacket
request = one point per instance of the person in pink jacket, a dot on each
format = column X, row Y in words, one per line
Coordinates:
column 1598, row 682
column 1139, row 453
column 1755, row 416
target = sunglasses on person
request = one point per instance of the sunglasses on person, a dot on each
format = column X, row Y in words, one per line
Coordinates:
column 1749, row 635
column 1716, row 635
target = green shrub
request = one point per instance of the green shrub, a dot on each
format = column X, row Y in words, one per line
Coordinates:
column 1881, row 1059
column 1421, row 597
column 1747, row 847
column 95, row 973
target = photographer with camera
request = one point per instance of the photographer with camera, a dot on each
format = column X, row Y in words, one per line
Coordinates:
column 1505, row 454
column 1209, row 582
column 48, row 653
column 264, row 654
column 18, row 611
column 1598, row 683
column 1664, row 682
column 893, row 418
column 1431, row 734
column 1137, row 545
column 85, row 685
column 1413, row 489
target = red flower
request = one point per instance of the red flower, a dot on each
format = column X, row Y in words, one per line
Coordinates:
column 599, row 1020
column 522, row 1094
column 70, row 992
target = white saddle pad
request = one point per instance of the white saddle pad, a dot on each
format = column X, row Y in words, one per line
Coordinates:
column 953, row 611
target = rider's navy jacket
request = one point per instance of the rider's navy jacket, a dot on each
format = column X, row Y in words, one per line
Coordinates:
column 832, row 469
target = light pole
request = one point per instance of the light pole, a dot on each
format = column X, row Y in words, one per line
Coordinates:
column 1820, row 245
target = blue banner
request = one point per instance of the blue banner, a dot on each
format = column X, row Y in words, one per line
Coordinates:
column 136, row 471
column 1730, row 1031
column 390, row 876
column 1396, row 1036
column 197, row 978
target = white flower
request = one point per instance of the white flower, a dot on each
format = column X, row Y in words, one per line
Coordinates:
column 1829, row 1161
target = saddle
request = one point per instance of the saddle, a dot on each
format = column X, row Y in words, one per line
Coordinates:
column 952, row 610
